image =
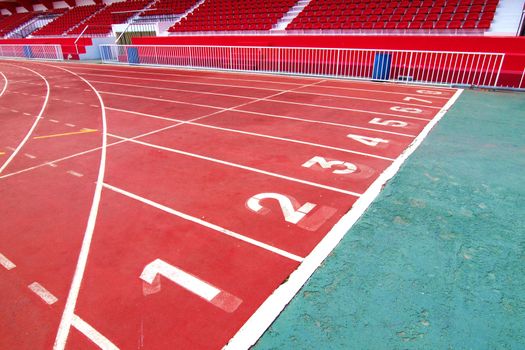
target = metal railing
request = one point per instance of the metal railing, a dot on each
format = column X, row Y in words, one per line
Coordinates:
column 32, row 51
column 422, row 67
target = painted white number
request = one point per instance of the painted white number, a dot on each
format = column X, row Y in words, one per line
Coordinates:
column 290, row 213
column 394, row 123
column 409, row 98
column 325, row 164
column 152, row 271
column 369, row 141
column 406, row 109
column 429, row 92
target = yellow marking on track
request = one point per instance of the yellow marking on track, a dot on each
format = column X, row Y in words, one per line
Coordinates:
column 82, row 131
column 2, row 153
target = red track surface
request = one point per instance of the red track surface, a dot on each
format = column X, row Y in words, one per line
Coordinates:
column 180, row 194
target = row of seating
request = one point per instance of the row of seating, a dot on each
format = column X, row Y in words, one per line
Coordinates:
column 169, row 7
column 234, row 15
column 10, row 23
column 117, row 12
column 379, row 14
column 68, row 20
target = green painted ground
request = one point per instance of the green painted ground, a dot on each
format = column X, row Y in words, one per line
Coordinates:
column 438, row 260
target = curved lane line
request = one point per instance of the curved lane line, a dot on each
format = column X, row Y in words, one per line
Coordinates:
column 5, row 86
column 37, row 119
column 69, row 309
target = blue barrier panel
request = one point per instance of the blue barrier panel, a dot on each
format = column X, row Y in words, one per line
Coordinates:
column 106, row 54
column 133, row 55
column 382, row 63
column 28, row 52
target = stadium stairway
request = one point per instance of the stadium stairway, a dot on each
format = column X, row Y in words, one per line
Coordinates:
column 507, row 17
column 291, row 14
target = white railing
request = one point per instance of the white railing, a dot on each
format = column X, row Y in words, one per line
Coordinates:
column 32, row 51
column 428, row 67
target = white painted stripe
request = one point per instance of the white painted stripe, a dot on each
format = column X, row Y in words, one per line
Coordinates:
column 173, row 89
column 53, row 121
column 5, row 84
column 206, row 224
column 74, row 173
column 182, row 278
column 289, row 81
column 70, row 125
column 15, row 111
column 268, row 98
column 235, row 165
column 314, row 121
column 258, row 113
column 52, row 163
column 67, row 316
column 25, row 113
column 29, row 156
column 272, row 307
column 178, row 123
column 92, row 334
column 254, row 134
column 37, row 119
column 390, row 102
column 43, row 293
column 10, row 148
column 161, row 100
column 95, row 106
column 6, row 263
column 348, row 109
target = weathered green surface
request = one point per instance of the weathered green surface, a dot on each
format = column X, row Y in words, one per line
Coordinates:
column 438, row 260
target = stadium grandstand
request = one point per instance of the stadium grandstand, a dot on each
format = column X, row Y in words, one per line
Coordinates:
column 275, row 174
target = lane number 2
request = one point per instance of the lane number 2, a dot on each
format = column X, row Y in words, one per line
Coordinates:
column 291, row 214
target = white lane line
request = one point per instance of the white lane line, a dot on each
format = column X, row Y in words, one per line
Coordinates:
column 15, row 111
column 43, row 293
column 314, row 121
column 173, row 89
column 74, row 173
column 239, row 166
column 390, row 102
column 269, row 99
column 5, row 84
column 69, row 309
column 289, row 81
column 178, row 123
column 54, row 121
column 349, row 109
column 25, row 113
column 52, row 163
column 265, row 114
column 95, row 106
column 10, row 148
column 205, row 223
column 272, row 307
column 37, row 119
column 30, row 156
column 92, row 334
column 70, row 125
column 253, row 134
column 6, row 263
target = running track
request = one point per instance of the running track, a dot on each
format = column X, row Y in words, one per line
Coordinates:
column 161, row 209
